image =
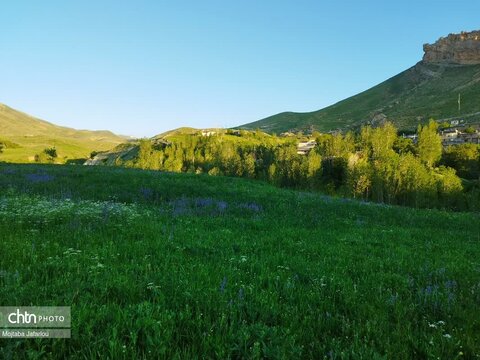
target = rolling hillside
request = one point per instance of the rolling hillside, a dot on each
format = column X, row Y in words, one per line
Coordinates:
column 26, row 136
column 424, row 91
column 129, row 151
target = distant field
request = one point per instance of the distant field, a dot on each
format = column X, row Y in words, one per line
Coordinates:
column 67, row 149
column 179, row 266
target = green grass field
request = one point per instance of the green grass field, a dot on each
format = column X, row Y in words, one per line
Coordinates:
column 157, row 265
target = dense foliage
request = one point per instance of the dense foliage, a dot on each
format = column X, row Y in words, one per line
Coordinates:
column 374, row 165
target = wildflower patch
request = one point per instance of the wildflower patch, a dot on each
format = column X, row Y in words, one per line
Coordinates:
column 39, row 210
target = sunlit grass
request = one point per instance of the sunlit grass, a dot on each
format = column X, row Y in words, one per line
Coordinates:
column 160, row 265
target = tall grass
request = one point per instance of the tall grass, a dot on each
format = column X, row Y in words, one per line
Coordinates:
column 160, row 265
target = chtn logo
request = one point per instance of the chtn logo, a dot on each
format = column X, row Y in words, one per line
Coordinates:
column 22, row 318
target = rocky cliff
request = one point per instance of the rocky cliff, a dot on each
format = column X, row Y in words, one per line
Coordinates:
column 463, row 48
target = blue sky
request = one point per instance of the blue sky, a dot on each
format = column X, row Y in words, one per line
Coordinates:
column 142, row 67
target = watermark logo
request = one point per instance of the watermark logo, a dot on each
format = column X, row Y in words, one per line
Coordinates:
column 35, row 322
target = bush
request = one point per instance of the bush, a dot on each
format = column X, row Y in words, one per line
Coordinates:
column 47, row 156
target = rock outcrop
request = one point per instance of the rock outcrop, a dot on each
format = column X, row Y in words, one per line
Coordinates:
column 463, row 49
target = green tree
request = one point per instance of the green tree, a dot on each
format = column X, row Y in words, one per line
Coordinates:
column 449, row 187
column 148, row 157
column 403, row 146
column 336, row 145
column 464, row 158
column 48, row 155
column 414, row 182
column 249, row 165
column 314, row 165
column 359, row 177
column 272, row 173
column 384, row 187
column 470, row 130
column 447, row 180
column 429, row 144
column 379, row 141
column 51, row 152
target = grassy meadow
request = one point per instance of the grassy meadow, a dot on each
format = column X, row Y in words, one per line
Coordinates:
column 180, row 266
column 26, row 148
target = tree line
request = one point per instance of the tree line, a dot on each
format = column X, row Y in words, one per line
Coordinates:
column 374, row 164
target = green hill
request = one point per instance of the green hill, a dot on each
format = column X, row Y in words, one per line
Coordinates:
column 24, row 136
column 183, row 137
column 413, row 96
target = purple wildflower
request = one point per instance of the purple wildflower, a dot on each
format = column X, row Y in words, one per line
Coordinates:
column 146, row 193
column 180, row 206
column 252, row 206
column 430, row 289
column 241, row 294
column 450, row 284
column 223, row 284
column 451, row 298
column 393, row 299
column 204, row 202
column 222, row 206
column 39, row 178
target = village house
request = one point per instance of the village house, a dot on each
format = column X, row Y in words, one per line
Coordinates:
column 450, row 133
column 452, row 141
column 473, row 138
column 208, row 133
column 304, row 147
column 413, row 137
column 235, row 132
column 287, row 134
column 450, row 137
column 458, row 135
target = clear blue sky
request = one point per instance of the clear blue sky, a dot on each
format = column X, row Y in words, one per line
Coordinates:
column 142, row 67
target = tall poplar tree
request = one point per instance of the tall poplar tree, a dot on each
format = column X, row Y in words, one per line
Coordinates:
column 429, row 143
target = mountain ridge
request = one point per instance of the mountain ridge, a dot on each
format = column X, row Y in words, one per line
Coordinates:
column 429, row 89
column 32, row 135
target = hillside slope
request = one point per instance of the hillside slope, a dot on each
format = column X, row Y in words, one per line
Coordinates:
column 129, row 151
column 424, row 91
column 29, row 136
